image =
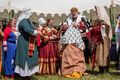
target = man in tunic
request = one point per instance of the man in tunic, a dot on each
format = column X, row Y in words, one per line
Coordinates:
column 27, row 55
column 73, row 62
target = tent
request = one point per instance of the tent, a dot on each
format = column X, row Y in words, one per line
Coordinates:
column 60, row 7
column 54, row 6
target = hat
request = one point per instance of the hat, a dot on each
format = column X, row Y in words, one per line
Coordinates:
column 41, row 21
column 25, row 10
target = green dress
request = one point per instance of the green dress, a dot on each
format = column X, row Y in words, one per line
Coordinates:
column 26, row 29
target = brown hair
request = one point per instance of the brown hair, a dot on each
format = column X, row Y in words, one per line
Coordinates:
column 48, row 20
column 10, row 21
column 73, row 9
column 97, row 22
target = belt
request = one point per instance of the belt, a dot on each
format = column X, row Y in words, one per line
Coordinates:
column 11, row 42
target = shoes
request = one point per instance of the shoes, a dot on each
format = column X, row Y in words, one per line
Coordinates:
column 6, row 78
column 12, row 76
column 74, row 75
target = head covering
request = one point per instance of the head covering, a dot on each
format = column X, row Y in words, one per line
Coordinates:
column 117, row 34
column 26, row 13
column 117, row 29
column 41, row 21
column 102, row 15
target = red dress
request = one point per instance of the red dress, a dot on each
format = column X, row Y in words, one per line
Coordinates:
column 47, row 55
column 96, row 39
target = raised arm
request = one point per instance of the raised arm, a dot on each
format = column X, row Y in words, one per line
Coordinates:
column 28, row 28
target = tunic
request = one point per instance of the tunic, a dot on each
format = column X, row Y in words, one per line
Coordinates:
column 26, row 65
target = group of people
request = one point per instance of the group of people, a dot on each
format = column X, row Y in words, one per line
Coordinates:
column 26, row 49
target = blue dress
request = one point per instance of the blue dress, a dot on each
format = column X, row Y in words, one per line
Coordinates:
column 9, row 56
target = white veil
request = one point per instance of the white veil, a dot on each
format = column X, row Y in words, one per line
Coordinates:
column 117, row 34
column 103, row 15
column 26, row 13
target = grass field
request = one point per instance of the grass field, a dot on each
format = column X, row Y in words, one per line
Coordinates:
column 93, row 75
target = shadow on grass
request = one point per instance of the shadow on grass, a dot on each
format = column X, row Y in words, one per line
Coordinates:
column 18, row 77
column 93, row 72
column 114, row 73
column 114, row 65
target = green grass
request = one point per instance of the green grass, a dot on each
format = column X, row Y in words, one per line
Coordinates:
column 93, row 75
column 90, row 77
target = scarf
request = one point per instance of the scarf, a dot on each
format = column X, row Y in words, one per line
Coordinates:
column 31, row 46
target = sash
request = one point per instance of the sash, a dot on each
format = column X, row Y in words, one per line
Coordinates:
column 31, row 46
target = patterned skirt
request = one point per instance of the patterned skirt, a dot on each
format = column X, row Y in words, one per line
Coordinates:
column 47, row 58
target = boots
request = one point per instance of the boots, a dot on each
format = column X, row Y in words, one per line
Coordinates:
column 104, row 69
column 119, row 63
column 101, row 69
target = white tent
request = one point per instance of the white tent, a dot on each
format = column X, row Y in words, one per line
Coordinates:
column 54, row 6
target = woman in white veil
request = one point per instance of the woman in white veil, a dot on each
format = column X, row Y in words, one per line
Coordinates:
column 26, row 13
column 102, row 51
column 27, row 55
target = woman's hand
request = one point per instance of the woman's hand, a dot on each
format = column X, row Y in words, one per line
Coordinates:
column 53, row 37
column 76, row 25
column 39, row 29
column 5, row 49
column 45, row 39
column 64, row 26
column 39, row 33
column 17, row 34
